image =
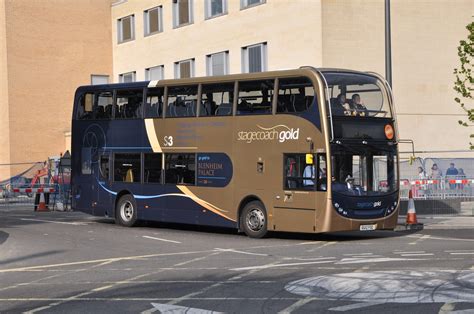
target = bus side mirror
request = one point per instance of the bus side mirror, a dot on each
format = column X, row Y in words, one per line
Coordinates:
column 309, row 159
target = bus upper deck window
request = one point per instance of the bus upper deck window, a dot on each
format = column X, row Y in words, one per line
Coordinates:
column 255, row 97
column 84, row 110
column 128, row 104
column 103, row 105
column 216, row 100
column 182, row 101
column 154, row 103
column 295, row 95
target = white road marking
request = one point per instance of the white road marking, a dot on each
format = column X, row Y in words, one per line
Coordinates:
column 307, row 259
column 296, row 305
column 354, row 306
column 161, row 239
column 191, row 295
column 149, row 299
column 462, row 253
column 80, row 295
column 419, row 239
column 240, row 252
column 279, row 265
column 114, row 259
column 56, row 222
column 446, row 308
column 408, row 252
column 446, row 239
column 418, row 254
column 454, row 251
column 358, row 254
column 402, row 286
column 376, row 260
column 176, row 309
column 194, row 260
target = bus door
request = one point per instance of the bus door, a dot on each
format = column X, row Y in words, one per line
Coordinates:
column 103, row 199
column 295, row 202
column 180, row 172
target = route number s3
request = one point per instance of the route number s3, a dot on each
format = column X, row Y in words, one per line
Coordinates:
column 168, row 140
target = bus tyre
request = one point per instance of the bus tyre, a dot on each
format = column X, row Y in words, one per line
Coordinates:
column 254, row 220
column 126, row 211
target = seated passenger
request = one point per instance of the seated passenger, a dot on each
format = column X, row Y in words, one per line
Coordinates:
column 337, row 107
column 358, row 106
column 309, row 175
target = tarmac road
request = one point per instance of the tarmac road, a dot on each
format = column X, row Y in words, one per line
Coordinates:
column 60, row 262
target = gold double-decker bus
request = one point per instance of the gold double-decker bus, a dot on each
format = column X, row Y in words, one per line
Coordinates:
column 304, row 150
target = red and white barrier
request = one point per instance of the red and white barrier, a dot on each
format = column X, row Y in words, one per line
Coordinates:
column 33, row 190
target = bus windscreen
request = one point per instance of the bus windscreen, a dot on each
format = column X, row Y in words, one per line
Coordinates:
column 355, row 94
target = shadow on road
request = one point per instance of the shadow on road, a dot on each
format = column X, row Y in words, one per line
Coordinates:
column 31, row 256
column 337, row 236
column 3, row 237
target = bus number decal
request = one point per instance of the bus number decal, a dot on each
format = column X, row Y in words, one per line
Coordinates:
column 168, row 140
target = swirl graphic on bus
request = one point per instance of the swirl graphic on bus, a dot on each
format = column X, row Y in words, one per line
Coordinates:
column 94, row 138
column 280, row 132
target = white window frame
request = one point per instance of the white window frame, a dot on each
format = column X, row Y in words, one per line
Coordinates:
column 160, row 68
column 146, row 21
column 177, row 68
column 122, row 76
column 176, row 13
column 120, row 29
column 208, row 9
column 263, row 56
column 100, row 77
column 244, row 4
column 209, row 63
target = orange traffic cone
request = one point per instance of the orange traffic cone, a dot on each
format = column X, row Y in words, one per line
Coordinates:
column 411, row 211
column 42, row 204
column 412, row 222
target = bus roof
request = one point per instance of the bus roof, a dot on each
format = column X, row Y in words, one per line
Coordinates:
column 208, row 79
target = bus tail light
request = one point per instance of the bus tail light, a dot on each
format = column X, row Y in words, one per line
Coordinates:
column 389, row 132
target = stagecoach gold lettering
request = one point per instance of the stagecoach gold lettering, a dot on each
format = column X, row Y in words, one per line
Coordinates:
column 269, row 134
column 208, row 168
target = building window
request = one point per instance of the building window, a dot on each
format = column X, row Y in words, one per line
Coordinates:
column 99, row 79
column 254, row 58
column 155, row 73
column 250, row 3
column 184, row 69
column 182, row 12
column 126, row 28
column 215, row 8
column 217, row 63
column 127, row 77
column 153, row 21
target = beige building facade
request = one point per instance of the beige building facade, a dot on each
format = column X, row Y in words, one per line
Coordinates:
column 322, row 33
column 45, row 56
column 47, row 49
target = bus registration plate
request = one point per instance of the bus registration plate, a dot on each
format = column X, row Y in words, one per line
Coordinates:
column 367, row 227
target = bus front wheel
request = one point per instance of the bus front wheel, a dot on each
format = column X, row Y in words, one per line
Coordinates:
column 254, row 220
column 126, row 211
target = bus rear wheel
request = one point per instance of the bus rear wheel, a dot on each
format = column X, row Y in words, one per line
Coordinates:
column 126, row 211
column 254, row 220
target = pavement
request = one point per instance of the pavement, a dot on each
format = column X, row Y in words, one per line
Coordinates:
column 59, row 262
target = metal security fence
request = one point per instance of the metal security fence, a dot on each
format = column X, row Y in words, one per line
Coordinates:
column 439, row 185
column 10, row 199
